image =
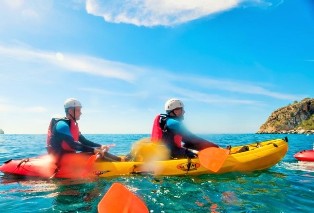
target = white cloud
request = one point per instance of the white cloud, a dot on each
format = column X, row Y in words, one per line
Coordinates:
column 30, row 13
column 156, row 12
column 243, row 87
column 75, row 63
column 9, row 107
column 14, row 4
column 36, row 109
column 112, row 93
column 214, row 86
column 26, row 9
column 212, row 99
column 4, row 108
column 203, row 89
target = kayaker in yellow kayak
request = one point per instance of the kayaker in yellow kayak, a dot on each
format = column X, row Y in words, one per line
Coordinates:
column 170, row 129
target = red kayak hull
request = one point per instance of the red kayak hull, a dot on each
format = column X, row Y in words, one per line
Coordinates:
column 74, row 165
column 305, row 155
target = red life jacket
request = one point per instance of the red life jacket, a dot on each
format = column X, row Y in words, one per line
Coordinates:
column 75, row 132
column 158, row 129
column 74, row 129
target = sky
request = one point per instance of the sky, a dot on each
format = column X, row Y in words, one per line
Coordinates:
column 232, row 62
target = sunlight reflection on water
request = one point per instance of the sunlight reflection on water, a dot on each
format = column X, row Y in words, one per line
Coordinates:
column 286, row 187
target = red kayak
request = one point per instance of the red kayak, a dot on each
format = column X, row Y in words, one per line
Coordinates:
column 76, row 165
column 305, row 155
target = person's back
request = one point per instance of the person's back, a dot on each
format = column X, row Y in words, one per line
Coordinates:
column 54, row 135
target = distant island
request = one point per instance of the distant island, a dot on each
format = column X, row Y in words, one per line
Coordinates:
column 1, row 131
column 296, row 118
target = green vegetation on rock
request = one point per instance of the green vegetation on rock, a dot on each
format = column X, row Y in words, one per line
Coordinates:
column 307, row 124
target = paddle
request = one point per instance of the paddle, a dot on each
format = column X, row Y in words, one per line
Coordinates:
column 119, row 199
column 213, row 158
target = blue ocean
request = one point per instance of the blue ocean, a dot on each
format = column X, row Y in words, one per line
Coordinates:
column 286, row 187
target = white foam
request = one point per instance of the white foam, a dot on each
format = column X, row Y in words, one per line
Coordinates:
column 300, row 165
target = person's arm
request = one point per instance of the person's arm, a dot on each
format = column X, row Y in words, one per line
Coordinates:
column 197, row 143
column 87, row 142
column 62, row 130
column 190, row 140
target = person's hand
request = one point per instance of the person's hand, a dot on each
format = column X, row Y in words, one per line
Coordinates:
column 107, row 147
column 99, row 151
column 104, row 148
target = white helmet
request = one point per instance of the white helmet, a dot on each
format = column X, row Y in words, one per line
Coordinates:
column 71, row 102
column 172, row 104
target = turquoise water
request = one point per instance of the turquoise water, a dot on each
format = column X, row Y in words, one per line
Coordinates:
column 286, row 187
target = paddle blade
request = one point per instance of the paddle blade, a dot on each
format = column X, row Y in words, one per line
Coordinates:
column 213, row 158
column 119, row 199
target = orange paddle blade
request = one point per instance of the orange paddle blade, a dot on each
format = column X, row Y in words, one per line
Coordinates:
column 213, row 158
column 119, row 199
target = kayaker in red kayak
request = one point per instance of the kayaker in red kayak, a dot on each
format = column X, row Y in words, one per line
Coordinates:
column 169, row 129
column 64, row 135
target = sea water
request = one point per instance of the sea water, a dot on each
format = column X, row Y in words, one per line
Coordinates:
column 286, row 187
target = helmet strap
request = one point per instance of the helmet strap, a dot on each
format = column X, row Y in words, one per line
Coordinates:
column 73, row 116
column 172, row 113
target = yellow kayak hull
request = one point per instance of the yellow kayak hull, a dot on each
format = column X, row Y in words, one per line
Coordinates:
column 260, row 156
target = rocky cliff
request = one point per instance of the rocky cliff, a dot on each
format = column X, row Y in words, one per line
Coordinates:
column 1, row 131
column 294, row 118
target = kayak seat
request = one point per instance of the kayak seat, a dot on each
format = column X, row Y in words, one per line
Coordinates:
column 243, row 149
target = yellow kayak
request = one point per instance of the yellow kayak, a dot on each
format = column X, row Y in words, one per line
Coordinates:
column 257, row 156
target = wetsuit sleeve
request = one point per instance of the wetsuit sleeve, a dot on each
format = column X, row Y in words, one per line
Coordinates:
column 176, row 126
column 189, row 139
column 63, row 131
column 86, row 142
